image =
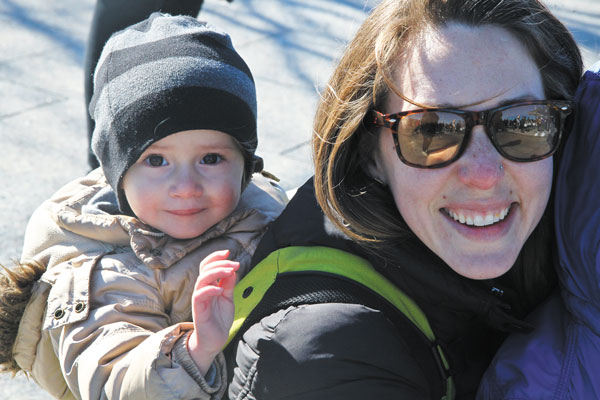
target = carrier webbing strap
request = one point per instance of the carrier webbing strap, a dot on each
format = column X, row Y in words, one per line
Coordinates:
column 315, row 275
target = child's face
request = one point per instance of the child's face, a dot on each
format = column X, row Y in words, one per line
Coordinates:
column 187, row 182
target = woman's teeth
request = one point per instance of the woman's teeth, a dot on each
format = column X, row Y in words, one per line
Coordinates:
column 476, row 219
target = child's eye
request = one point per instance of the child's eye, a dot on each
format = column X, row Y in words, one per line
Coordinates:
column 211, row 158
column 155, row 160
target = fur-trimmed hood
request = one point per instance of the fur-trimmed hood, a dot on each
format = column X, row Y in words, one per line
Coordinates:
column 15, row 290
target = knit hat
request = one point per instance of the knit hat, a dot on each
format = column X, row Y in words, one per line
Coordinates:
column 164, row 75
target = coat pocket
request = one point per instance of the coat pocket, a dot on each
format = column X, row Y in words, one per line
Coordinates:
column 68, row 300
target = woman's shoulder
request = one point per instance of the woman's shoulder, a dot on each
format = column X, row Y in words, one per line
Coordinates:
column 337, row 350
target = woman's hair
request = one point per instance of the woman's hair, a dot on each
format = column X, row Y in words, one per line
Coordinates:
column 343, row 146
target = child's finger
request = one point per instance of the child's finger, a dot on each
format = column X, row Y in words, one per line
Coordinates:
column 219, row 264
column 214, row 256
column 206, row 293
column 212, row 276
column 228, row 284
column 201, row 303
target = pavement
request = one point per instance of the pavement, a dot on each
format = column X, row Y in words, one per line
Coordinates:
column 290, row 45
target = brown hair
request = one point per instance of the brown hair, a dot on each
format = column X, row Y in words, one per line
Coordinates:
column 15, row 291
column 343, row 146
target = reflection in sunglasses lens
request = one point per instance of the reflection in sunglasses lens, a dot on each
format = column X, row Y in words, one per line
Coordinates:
column 525, row 132
column 431, row 138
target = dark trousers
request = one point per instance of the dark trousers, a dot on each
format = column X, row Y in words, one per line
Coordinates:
column 111, row 16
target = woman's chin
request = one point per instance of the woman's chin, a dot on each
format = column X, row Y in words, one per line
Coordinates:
column 482, row 266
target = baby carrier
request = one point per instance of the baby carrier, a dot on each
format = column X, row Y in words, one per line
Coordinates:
column 299, row 275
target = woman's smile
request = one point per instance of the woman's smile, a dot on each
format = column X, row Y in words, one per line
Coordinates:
column 476, row 219
column 481, row 226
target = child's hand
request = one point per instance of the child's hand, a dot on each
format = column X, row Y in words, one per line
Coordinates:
column 212, row 308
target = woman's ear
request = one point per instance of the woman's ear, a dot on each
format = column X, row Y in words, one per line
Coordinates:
column 375, row 172
column 369, row 156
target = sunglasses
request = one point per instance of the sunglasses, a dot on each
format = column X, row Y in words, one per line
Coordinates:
column 433, row 138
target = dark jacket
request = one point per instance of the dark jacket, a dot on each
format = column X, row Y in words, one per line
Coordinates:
column 561, row 358
column 349, row 351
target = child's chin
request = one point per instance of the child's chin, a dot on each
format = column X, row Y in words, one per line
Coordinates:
column 184, row 236
column 183, row 233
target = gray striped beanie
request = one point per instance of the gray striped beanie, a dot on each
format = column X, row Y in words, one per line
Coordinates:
column 165, row 75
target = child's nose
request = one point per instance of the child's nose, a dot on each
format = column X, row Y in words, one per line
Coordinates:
column 481, row 166
column 186, row 184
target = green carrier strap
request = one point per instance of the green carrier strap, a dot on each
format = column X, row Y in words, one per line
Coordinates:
column 313, row 275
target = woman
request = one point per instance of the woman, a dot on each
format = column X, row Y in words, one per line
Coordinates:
column 458, row 220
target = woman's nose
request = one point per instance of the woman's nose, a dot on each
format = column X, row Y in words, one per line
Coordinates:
column 186, row 184
column 481, row 166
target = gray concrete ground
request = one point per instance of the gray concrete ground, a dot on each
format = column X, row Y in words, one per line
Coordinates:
column 290, row 45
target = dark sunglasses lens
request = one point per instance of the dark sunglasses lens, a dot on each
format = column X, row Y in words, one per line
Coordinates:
column 528, row 131
column 429, row 138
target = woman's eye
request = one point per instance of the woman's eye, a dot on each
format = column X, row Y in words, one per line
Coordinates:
column 155, row 160
column 211, row 158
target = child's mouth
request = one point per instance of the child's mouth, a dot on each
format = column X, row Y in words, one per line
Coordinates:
column 185, row 212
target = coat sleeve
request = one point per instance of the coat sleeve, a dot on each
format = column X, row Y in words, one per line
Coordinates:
column 126, row 347
column 332, row 351
column 527, row 365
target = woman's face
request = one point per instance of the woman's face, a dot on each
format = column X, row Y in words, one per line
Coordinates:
column 450, row 67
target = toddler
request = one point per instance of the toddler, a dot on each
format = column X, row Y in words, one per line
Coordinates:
column 119, row 250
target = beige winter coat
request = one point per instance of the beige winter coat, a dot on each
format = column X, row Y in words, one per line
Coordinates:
column 108, row 319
